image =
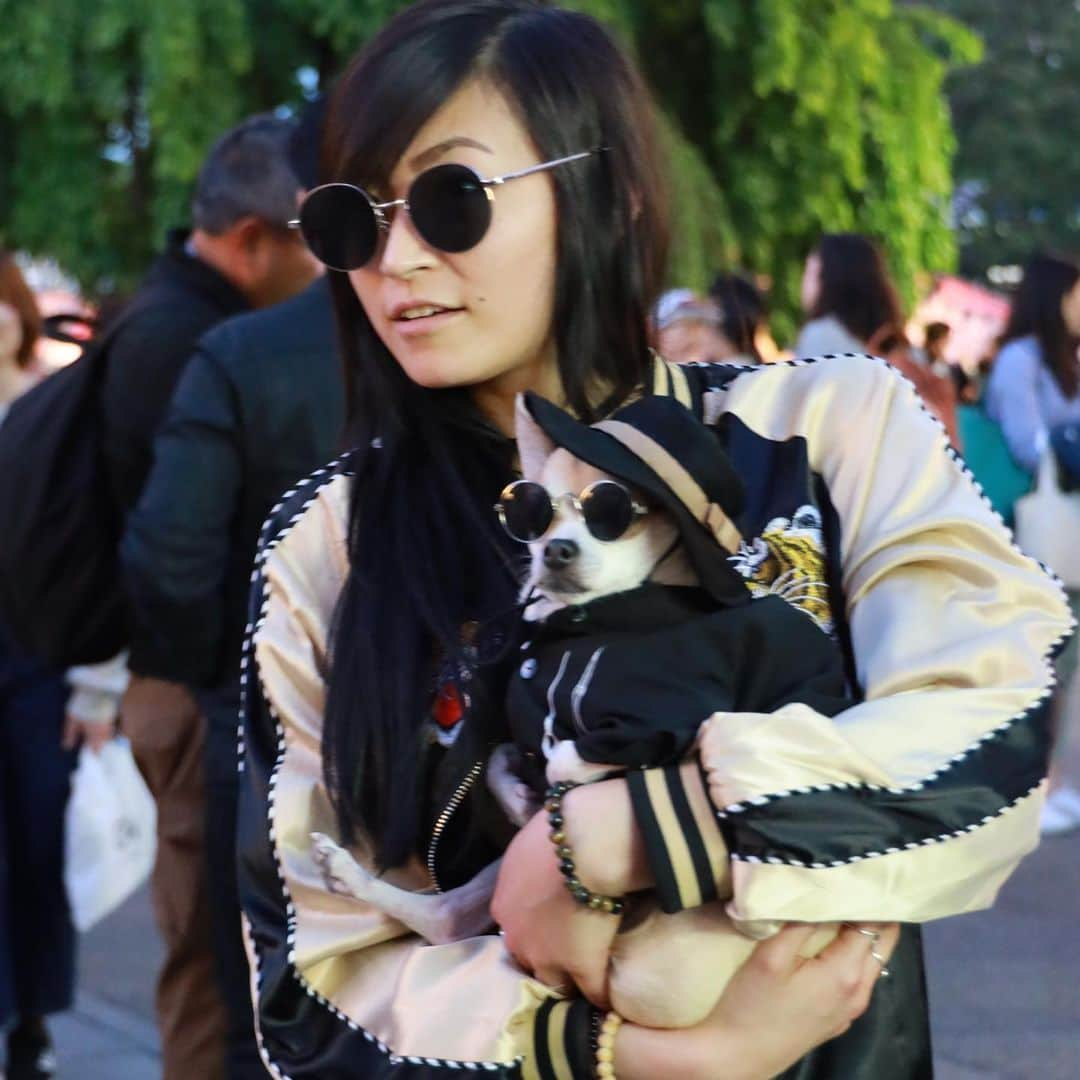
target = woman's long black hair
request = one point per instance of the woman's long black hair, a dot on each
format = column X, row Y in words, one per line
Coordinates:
column 426, row 554
column 856, row 287
column 1036, row 311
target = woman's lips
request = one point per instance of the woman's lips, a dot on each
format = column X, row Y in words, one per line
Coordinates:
column 426, row 324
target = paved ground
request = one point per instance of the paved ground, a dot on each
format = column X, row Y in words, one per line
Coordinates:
column 1004, row 985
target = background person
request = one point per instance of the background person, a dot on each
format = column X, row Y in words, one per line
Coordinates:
column 688, row 328
column 383, row 580
column 744, row 322
column 853, row 306
column 257, row 409
column 1034, row 387
column 239, row 255
column 37, row 939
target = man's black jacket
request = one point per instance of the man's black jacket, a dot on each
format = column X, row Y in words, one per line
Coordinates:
column 179, row 300
column 259, row 407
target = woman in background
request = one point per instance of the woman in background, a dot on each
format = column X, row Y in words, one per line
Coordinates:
column 1035, row 382
column 37, row 939
column 1034, row 387
column 853, row 307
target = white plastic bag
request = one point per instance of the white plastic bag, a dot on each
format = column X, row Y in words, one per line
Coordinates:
column 111, row 830
column 1048, row 524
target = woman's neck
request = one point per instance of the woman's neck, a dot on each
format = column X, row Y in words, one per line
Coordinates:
column 495, row 399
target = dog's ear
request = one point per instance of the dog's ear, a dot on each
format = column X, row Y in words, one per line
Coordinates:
column 534, row 446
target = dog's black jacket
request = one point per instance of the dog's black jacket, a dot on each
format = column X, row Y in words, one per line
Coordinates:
column 630, row 677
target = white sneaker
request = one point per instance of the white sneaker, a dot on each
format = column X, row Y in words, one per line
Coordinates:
column 1061, row 812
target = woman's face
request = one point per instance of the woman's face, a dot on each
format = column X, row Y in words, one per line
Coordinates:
column 494, row 303
column 810, row 289
column 1070, row 309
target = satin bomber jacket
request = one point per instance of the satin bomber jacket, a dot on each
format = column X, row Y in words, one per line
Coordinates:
column 915, row 803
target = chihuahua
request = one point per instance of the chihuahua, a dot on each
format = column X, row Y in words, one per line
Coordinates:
column 666, row 970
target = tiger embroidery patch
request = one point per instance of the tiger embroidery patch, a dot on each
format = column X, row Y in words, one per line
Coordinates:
column 788, row 560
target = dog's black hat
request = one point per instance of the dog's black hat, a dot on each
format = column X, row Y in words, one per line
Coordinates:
column 658, row 446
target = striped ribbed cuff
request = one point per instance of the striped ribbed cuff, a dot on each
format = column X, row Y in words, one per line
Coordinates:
column 561, row 1042
column 683, row 842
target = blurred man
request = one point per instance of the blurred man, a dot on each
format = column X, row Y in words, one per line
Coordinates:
column 239, row 255
column 259, row 406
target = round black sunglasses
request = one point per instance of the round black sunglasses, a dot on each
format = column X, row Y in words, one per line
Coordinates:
column 527, row 509
column 450, row 205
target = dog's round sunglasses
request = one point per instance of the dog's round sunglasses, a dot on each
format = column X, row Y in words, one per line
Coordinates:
column 450, row 205
column 527, row 509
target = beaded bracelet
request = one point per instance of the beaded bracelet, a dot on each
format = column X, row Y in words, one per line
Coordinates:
column 611, row 905
column 605, row 1046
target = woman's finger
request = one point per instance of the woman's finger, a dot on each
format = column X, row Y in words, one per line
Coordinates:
column 780, row 954
column 593, row 984
column 559, row 980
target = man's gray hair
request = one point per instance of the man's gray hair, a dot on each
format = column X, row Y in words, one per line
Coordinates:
column 247, row 173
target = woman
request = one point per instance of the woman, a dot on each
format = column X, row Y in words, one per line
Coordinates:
column 37, row 939
column 1034, row 387
column 687, row 328
column 1034, row 383
column 853, row 307
column 382, row 589
column 745, row 322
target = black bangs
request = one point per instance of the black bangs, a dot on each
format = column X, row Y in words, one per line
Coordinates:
column 396, row 84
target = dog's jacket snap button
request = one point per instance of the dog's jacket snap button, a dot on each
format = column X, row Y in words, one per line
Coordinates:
column 528, row 668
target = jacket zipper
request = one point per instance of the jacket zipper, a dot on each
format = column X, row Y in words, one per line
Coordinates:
column 444, row 817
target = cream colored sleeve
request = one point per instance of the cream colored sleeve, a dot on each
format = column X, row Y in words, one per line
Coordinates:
column 919, row 801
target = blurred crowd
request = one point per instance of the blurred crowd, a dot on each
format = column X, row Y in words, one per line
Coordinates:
column 220, row 391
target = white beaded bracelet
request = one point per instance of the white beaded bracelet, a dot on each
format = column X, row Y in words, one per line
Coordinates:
column 605, row 1046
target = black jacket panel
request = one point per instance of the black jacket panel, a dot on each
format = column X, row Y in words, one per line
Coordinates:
column 181, row 298
column 631, row 677
column 259, row 407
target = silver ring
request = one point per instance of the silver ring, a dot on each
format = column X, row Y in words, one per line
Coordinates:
column 873, row 935
column 882, row 961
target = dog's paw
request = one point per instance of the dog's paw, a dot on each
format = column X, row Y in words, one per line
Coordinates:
column 341, row 872
column 517, row 799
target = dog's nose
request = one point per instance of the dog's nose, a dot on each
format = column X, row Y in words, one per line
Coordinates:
column 560, row 553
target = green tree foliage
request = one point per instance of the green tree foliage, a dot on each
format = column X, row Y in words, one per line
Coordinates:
column 782, row 119
column 1017, row 118
column 813, row 116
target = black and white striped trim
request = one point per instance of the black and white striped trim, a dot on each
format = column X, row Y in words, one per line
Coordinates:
column 777, row 860
column 309, row 489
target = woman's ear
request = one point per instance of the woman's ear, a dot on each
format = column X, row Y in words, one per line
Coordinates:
column 534, row 446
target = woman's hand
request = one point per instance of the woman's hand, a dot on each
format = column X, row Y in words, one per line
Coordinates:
column 86, row 733
column 549, row 934
column 784, row 1006
column 776, row 1009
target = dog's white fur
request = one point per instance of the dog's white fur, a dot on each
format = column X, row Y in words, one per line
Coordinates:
column 703, row 946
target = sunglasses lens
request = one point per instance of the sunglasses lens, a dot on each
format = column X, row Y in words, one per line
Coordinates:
column 607, row 509
column 450, row 207
column 526, row 511
column 339, row 226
